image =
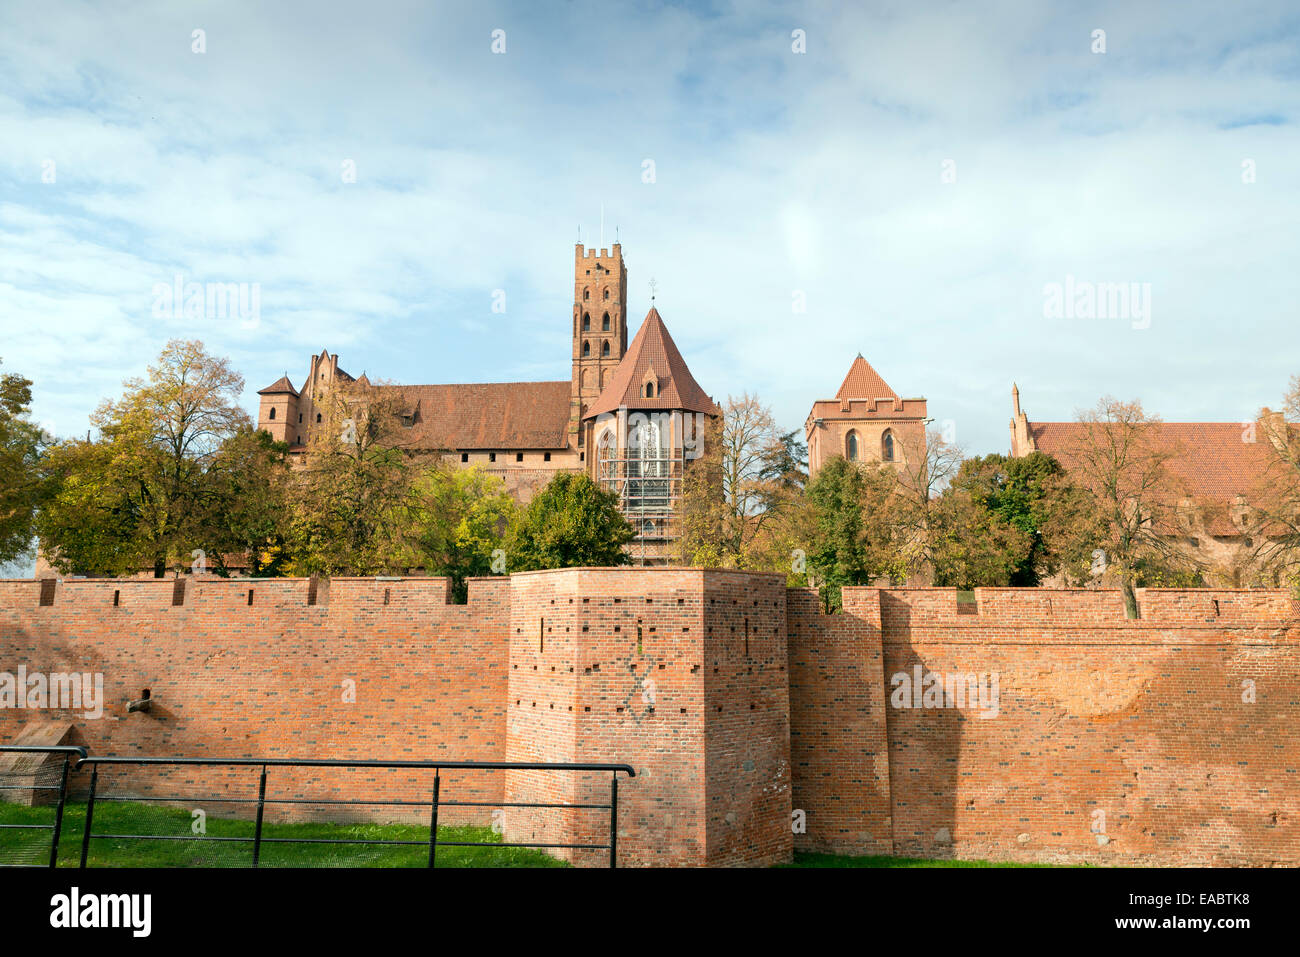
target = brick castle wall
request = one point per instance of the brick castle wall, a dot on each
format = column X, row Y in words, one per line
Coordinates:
column 1163, row 740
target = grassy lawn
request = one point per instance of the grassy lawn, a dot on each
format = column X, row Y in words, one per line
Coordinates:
column 113, row 817
column 832, row 860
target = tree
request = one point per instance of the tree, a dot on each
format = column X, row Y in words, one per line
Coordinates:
column 928, row 463
column 1270, row 522
column 248, row 485
column 22, row 485
column 356, row 505
column 463, row 515
column 140, row 495
column 972, row 546
column 571, row 522
column 1022, row 493
column 733, row 493
column 838, row 554
column 1119, row 456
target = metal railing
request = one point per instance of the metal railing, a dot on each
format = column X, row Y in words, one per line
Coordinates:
column 56, row 771
column 259, row 840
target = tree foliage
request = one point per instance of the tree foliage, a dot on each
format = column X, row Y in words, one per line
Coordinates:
column 571, row 522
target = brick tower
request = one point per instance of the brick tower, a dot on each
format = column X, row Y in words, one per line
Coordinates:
column 599, row 327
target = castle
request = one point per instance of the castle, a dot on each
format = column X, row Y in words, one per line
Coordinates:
column 631, row 416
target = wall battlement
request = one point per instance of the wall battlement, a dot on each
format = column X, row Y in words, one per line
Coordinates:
column 757, row 723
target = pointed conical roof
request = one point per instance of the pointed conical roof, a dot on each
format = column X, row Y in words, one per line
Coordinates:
column 653, row 349
column 279, row 387
column 864, row 382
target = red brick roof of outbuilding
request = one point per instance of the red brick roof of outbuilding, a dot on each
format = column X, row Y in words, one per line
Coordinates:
column 1214, row 459
column 864, row 382
column 488, row 415
column 652, row 349
column 279, row 387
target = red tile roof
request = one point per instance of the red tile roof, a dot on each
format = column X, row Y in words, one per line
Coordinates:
column 279, row 387
column 1213, row 459
column 864, row 382
column 490, row 415
column 653, row 350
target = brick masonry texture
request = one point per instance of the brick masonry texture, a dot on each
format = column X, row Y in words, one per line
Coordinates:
column 737, row 701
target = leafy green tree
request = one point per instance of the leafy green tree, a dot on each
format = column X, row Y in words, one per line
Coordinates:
column 462, row 518
column 248, row 486
column 1020, row 492
column 839, row 553
column 571, row 522
column 22, row 485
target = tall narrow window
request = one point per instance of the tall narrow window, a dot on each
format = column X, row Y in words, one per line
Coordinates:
column 586, row 294
column 586, row 349
column 606, row 293
column 604, row 323
column 604, row 348
column 887, row 447
column 273, row 413
column 649, row 390
column 586, row 322
column 851, row 447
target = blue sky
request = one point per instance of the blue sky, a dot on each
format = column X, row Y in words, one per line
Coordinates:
column 776, row 173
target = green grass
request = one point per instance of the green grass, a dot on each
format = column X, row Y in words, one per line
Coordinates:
column 115, row 817
column 802, row 859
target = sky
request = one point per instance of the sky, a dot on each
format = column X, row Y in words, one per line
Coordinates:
column 804, row 182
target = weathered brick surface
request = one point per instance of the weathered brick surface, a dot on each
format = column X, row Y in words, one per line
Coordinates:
column 736, row 701
column 1114, row 740
column 230, row 679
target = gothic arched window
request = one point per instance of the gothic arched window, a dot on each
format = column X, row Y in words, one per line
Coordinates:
column 586, row 348
column 604, row 323
column 887, row 447
column 586, row 294
column 318, row 418
column 606, row 293
column 586, row 322
column 273, row 413
column 604, row 348
column 649, row 390
column 851, row 447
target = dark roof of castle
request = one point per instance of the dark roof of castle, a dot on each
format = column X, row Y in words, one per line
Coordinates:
column 487, row 415
column 279, row 387
column 864, row 382
column 653, row 350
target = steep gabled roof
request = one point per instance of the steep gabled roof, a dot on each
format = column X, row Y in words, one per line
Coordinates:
column 280, row 386
column 652, row 349
column 864, row 382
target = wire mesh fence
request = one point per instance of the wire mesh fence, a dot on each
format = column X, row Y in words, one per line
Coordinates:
column 33, row 787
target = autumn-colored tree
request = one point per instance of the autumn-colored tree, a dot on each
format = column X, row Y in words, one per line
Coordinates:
column 140, row 495
column 1270, row 518
column 22, row 485
column 461, row 518
column 929, row 461
column 734, row 495
column 355, row 506
column 1129, row 520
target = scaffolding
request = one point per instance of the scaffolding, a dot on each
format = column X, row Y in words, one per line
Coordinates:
column 648, row 488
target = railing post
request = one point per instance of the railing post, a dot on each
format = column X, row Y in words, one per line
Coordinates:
column 58, row 813
column 261, row 806
column 613, row 820
column 433, row 819
column 90, row 816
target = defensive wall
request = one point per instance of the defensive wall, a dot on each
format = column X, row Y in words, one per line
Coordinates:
column 1025, row 725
